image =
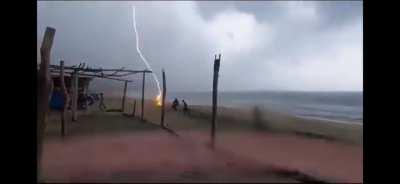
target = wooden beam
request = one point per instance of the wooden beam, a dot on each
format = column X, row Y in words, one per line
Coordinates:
column 100, row 69
column 143, row 82
column 214, row 99
column 91, row 75
column 123, row 97
column 65, row 98
column 44, row 88
column 163, row 99
column 133, row 71
column 119, row 70
column 75, row 91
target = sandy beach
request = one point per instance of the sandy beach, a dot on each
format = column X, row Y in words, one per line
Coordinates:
column 263, row 146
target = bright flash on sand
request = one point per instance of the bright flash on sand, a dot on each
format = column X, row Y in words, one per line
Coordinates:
column 158, row 100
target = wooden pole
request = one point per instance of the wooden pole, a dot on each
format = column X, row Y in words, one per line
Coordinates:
column 143, row 82
column 134, row 108
column 214, row 99
column 163, row 98
column 85, row 92
column 123, row 97
column 44, row 88
column 65, row 98
column 75, row 95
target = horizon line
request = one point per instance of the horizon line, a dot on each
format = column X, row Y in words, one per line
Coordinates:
column 269, row 90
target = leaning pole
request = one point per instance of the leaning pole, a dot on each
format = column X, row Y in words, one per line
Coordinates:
column 214, row 98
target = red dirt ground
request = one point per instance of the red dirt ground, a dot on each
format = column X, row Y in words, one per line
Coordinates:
column 158, row 156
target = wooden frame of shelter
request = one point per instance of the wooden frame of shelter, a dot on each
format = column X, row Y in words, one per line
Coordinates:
column 45, row 84
column 85, row 71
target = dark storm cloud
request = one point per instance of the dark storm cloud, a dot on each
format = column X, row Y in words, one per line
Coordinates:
column 281, row 45
column 333, row 12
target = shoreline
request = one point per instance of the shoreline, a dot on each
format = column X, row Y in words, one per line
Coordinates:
column 345, row 107
column 332, row 120
column 277, row 121
column 358, row 119
column 312, row 117
column 282, row 122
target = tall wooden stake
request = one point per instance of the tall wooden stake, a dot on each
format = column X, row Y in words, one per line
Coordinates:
column 214, row 99
column 142, row 113
column 123, row 97
column 134, row 108
column 75, row 95
column 44, row 89
column 163, row 98
column 86, row 91
column 65, row 98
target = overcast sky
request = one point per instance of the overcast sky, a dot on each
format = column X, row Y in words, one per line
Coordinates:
column 278, row 45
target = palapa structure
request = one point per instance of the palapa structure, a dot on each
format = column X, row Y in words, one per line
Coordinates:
column 77, row 80
column 70, row 81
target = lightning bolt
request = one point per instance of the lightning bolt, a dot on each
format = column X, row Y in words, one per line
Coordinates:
column 141, row 55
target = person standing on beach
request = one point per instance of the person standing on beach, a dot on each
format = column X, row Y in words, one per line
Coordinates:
column 102, row 106
column 185, row 107
column 82, row 99
column 175, row 104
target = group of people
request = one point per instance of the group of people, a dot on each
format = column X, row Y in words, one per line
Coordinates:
column 175, row 105
column 85, row 100
column 58, row 100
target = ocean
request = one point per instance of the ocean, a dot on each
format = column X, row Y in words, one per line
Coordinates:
column 337, row 106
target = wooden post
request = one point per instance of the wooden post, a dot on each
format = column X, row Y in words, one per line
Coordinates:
column 65, row 96
column 134, row 108
column 123, row 97
column 142, row 113
column 163, row 98
column 75, row 95
column 85, row 92
column 44, row 88
column 214, row 99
